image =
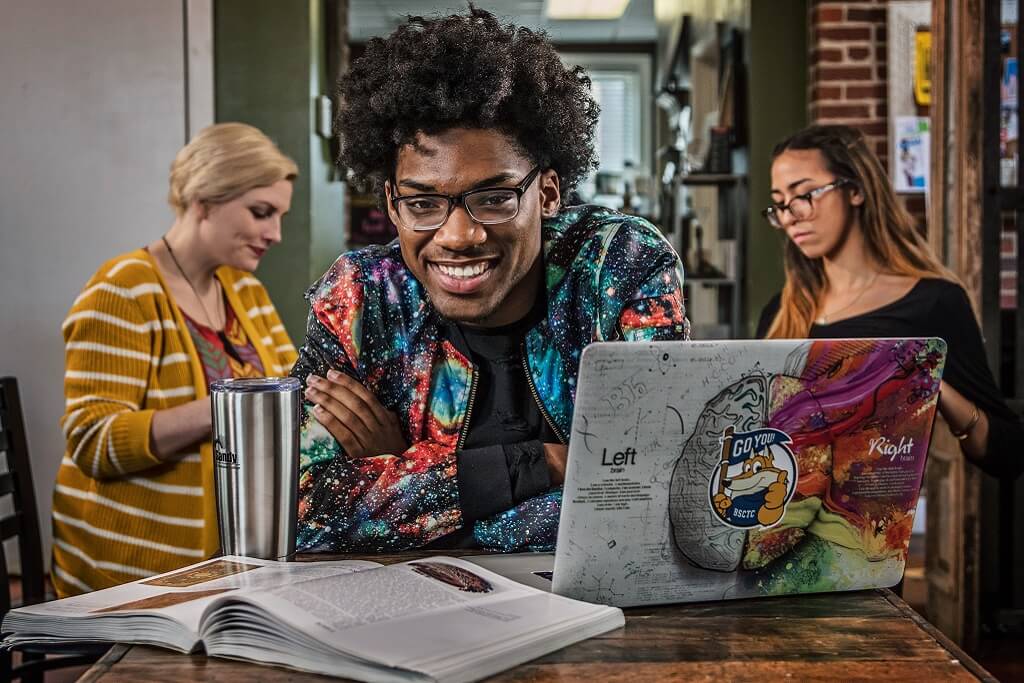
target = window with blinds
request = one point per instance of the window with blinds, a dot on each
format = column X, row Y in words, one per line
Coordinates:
column 618, row 128
column 621, row 86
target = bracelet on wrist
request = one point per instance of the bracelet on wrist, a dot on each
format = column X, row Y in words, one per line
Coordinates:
column 966, row 431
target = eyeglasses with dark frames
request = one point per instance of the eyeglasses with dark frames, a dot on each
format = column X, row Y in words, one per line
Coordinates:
column 485, row 205
column 800, row 207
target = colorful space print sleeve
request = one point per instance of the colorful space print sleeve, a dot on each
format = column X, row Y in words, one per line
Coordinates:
column 530, row 526
column 654, row 309
column 382, row 503
column 378, row 504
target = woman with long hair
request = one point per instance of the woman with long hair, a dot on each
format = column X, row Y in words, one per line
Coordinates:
column 149, row 332
column 856, row 266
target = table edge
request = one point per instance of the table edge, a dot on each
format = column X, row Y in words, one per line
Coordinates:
column 941, row 638
column 117, row 651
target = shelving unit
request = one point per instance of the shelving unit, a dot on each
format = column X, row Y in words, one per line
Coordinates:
column 718, row 300
column 704, row 94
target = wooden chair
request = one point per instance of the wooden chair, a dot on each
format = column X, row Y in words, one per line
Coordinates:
column 23, row 523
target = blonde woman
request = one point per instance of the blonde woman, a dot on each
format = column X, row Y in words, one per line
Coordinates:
column 857, row 267
column 143, row 340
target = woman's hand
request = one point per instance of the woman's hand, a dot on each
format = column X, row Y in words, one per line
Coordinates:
column 354, row 416
column 958, row 412
column 175, row 429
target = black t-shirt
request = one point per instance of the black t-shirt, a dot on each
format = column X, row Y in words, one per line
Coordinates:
column 502, row 459
column 939, row 308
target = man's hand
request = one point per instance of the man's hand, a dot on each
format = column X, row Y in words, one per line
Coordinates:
column 354, row 416
column 556, row 454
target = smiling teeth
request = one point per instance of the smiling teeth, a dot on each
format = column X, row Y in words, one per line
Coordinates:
column 463, row 271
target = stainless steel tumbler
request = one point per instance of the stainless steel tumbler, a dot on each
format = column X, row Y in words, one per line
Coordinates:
column 256, row 464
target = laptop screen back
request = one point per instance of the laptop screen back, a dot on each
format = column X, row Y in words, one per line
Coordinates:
column 715, row 470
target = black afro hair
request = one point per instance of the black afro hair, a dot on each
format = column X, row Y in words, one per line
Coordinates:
column 467, row 71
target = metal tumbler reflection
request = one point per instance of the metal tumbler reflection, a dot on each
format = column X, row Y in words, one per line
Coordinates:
column 256, row 464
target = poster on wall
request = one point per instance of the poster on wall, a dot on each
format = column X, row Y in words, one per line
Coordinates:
column 1008, row 90
column 909, row 92
column 1009, row 117
column 912, row 144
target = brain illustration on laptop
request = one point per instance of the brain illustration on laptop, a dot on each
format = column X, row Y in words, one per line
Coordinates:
column 806, row 458
column 730, row 469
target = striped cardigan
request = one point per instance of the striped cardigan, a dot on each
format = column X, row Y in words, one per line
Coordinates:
column 119, row 512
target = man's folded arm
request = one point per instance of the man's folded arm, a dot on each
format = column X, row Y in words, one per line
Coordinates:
column 385, row 502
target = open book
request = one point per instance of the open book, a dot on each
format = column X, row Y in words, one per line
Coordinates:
column 437, row 618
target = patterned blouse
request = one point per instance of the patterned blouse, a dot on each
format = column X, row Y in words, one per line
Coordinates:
column 226, row 353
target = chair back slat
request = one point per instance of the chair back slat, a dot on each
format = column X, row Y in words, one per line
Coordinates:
column 25, row 522
column 6, row 483
column 6, row 596
column 10, row 526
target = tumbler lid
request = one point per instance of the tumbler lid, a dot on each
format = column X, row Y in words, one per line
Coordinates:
column 249, row 385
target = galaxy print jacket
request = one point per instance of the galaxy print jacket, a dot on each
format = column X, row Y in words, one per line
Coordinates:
column 608, row 277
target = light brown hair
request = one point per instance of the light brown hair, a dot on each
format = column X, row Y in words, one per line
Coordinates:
column 890, row 236
column 224, row 161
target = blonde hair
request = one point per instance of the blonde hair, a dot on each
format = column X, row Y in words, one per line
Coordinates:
column 224, row 161
column 890, row 235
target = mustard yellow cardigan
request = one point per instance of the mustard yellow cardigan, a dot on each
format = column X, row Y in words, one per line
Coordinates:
column 119, row 512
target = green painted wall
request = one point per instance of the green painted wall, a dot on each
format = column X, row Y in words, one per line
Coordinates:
column 778, row 107
column 327, row 233
column 269, row 67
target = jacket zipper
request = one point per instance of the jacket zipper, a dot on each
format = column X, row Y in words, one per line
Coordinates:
column 464, row 431
column 536, row 396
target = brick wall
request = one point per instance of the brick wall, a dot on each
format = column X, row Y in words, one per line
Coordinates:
column 848, row 74
column 848, row 83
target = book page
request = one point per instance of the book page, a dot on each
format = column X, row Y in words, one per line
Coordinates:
column 421, row 615
column 426, row 605
column 388, row 593
column 182, row 595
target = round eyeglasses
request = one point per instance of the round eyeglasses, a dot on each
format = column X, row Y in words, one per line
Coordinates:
column 485, row 205
column 801, row 207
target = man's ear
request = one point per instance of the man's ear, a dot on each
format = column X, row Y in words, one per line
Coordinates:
column 550, row 193
column 388, row 205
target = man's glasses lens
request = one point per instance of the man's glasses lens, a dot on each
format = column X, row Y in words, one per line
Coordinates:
column 422, row 213
column 425, row 212
column 493, row 206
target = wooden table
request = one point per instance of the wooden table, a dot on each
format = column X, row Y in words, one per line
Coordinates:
column 867, row 635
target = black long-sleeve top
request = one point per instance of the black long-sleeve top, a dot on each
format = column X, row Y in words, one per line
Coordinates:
column 939, row 308
column 502, row 461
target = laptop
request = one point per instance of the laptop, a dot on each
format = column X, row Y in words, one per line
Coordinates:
column 734, row 469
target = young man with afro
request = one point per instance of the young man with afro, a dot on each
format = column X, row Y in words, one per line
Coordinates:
column 440, row 369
